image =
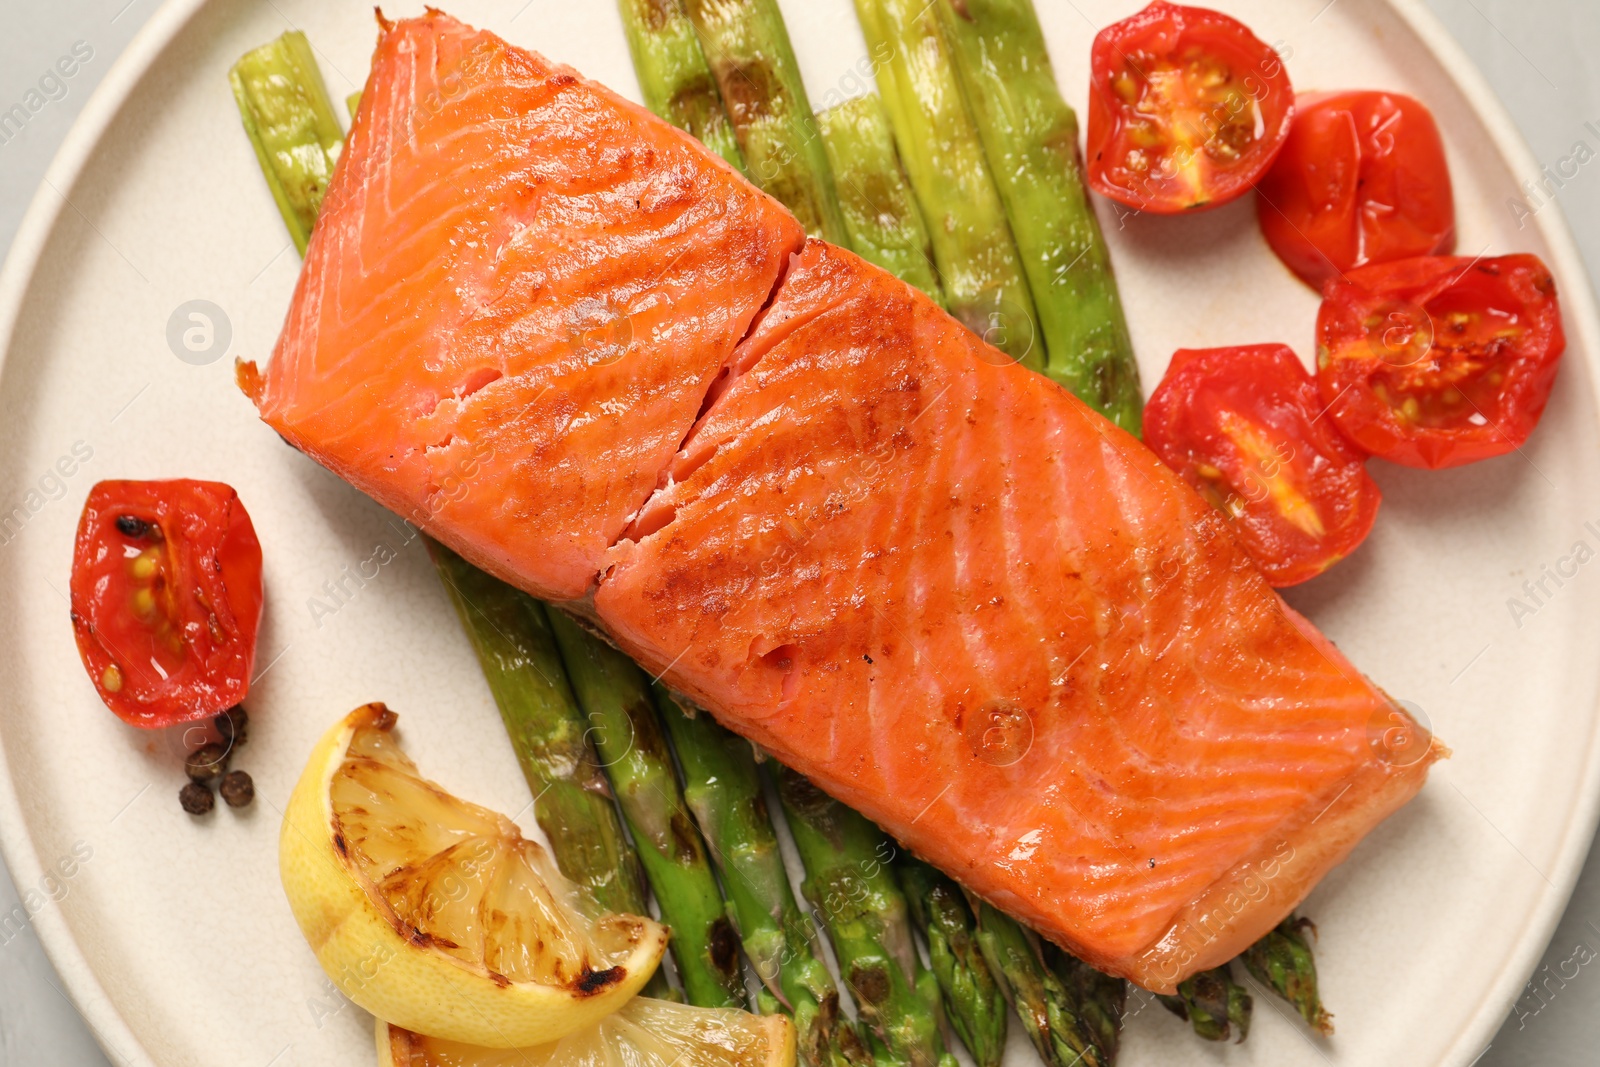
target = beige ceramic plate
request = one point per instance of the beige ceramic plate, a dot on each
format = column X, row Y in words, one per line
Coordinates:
column 173, row 936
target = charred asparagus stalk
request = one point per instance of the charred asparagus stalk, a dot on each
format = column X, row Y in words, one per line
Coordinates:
column 1099, row 1000
column 1030, row 137
column 973, row 247
column 724, row 791
column 748, row 48
column 290, row 121
column 973, row 1001
column 1282, row 961
column 1062, row 1030
column 1214, row 1004
column 615, row 696
column 674, row 77
column 880, row 210
column 522, row 665
column 851, row 887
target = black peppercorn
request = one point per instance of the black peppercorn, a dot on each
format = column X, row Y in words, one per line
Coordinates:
column 207, row 762
column 237, row 789
column 232, row 725
column 196, row 798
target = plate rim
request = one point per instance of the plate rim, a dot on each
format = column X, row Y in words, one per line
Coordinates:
column 1581, row 316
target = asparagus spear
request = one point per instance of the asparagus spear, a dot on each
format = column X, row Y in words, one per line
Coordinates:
column 290, row 121
column 1100, row 999
column 724, row 791
column 973, row 1000
column 972, row 243
column 673, row 74
column 522, row 664
column 1062, row 1030
column 1282, row 961
column 1030, row 137
column 849, row 884
column 748, row 48
column 615, row 695
column 880, row 211
column 1213, row 1003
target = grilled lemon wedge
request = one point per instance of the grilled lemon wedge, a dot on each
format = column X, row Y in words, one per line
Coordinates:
column 644, row 1033
column 437, row 914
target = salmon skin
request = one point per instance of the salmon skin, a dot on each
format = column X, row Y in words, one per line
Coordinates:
column 940, row 586
column 517, row 293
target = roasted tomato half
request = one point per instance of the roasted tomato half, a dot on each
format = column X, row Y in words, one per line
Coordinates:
column 1244, row 427
column 166, row 598
column 1187, row 109
column 1441, row 360
column 1362, row 179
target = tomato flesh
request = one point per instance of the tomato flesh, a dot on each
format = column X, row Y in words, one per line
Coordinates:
column 1440, row 360
column 1362, row 179
column 166, row 598
column 1244, row 426
column 1187, row 109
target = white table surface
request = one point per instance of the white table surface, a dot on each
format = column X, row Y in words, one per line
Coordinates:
column 1538, row 55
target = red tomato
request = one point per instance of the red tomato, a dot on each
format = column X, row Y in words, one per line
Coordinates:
column 1243, row 426
column 1187, row 109
column 1362, row 179
column 1440, row 360
column 166, row 598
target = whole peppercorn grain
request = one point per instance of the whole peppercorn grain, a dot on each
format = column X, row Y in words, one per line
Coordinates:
column 196, row 798
column 207, row 763
column 237, row 789
column 232, row 725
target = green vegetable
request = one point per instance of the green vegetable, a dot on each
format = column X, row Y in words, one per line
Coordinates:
column 1213, row 1003
column 724, row 791
column 1282, row 962
column 1030, row 137
column 851, row 888
column 973, row 248
column 287, row 114
column 880, row 210
column 973, row 1000
column 748, row 48
column 673, row 74
column 522, row 664
column 1099, row 1000
column 1065, row 1031
column 615, row 695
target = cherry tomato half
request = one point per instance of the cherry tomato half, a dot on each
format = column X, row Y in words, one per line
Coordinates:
column 1187, row 109
column 1440, row 360
column 1362, row 179
column 166, row 598
column 1244, row 427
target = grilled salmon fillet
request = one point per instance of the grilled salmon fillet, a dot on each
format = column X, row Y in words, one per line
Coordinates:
column 973, row 609
column 576, row 347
